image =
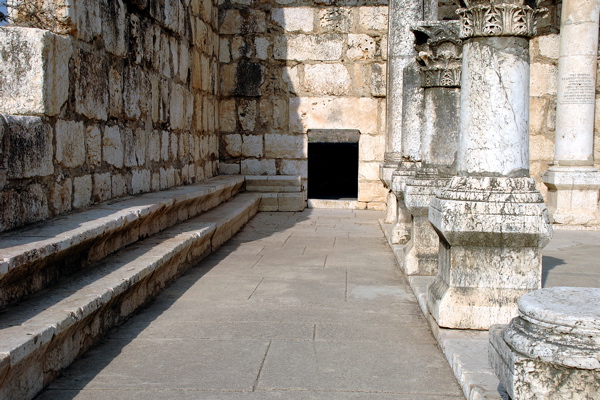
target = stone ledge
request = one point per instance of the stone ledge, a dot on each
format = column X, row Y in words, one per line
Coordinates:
column 39, row 254
column 46, row 333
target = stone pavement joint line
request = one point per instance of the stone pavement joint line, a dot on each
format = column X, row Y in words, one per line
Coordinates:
column 307, row 305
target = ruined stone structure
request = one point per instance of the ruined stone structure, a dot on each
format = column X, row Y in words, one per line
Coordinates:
column 124, row 121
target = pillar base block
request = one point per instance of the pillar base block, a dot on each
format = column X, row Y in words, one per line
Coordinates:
column 551, row 350
column 422, row 251
column 573, row 195
column 401, row 231
column 492, row 231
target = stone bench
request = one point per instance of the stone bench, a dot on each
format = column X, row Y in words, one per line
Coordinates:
column 45, row 333
column 552, row 350
column 43, row 253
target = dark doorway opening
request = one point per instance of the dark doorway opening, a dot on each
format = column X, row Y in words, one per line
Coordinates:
column 333, row 164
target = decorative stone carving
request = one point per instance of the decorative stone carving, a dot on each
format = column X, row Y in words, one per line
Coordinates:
column 502, row 18
column 439, row 53
column 552, row 349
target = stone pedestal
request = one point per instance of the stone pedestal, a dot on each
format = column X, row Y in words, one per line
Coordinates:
column 492, row 231
column 552, row 350
column 573, row 195
column 491, row 220
column 572, row 180
column 421, row 253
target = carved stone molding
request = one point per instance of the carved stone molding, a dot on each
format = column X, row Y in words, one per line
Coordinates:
column 505, row 18
column 439, row 51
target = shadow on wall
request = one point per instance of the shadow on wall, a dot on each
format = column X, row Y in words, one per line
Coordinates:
column 289, row 68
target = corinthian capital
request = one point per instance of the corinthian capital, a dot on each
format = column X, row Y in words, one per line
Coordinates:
column 499, row 18
column 439, row 52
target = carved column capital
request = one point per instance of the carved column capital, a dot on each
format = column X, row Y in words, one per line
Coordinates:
column 499, row 18
column 439, row 50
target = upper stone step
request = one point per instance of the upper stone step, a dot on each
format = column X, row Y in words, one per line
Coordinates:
column 41, row 254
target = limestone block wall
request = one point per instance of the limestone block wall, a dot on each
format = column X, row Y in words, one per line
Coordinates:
column 288, row 66
column 105, row 98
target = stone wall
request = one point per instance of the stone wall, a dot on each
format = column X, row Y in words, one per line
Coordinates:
column 291, row 65
column 109, row 98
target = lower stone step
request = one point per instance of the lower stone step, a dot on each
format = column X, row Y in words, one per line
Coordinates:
column 44, row 334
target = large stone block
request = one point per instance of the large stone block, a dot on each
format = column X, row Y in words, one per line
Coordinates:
column 286, row 146
column 35, row 71
column 252, row 146
column 327, row 79
column 325, row 47
column 258, row 167
column 29, row 148
column 336, row 19
column 333, row 113
column 361, row 47
column 91, row 87
column 70, row 143
column 543, row 79
column 114, row 26
column 112, row 146
column 373, row 18
column 294, row 18
column 247, row 111
column 82, row 191
column 242, row 21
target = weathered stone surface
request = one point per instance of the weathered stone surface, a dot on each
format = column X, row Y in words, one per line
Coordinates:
column 360, row 47
column 252, row 146
column 550, row 350
column 91, row 89
column 247, row 112
column 112, row 146
column 294, row 18
column 82, row 191
column 70, row 143
column 233, row 145
column 325, row 47
column 500, row 225
column 35, row 65
column 327, row 79
column 258, row 167
column 333, row 113
column 93, row 145
column 60, row 196
column 29, row 148
column 101, row 190
column 286, row 146
column 373, row 18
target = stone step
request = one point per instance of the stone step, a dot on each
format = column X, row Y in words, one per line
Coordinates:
column 45, row 333
column 41, row 254
column 278, row 192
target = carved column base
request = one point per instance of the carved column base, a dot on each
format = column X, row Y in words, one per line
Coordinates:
column 422, row 250
column 573, row 195
column 492, row 231
column 551, row 350
column 401, row 231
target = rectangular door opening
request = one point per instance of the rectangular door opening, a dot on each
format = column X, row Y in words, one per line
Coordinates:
column 333, row 164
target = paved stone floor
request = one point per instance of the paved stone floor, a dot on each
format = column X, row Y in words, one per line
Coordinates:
column 296, row 306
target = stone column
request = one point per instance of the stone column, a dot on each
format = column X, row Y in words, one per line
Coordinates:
column 439, row 54
column 491, row 219
column 400, row 52
column 573, row 181
column 552, row 350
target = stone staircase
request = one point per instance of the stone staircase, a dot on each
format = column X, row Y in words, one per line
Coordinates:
column 65, row 282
